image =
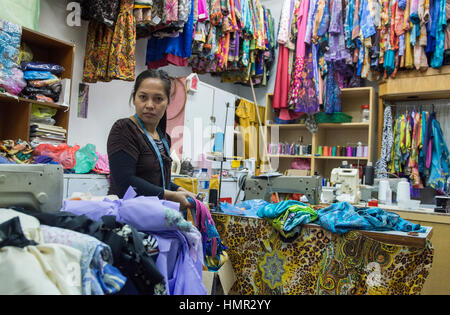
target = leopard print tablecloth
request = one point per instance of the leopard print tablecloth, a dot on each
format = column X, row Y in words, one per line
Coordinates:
column 318, row 261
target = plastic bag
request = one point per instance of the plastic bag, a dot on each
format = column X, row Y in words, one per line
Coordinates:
column 244, row 208
column 44, row 83
column 42, row 67
column 102, row 166
column 42, row 111
column 63, row 153
column 14, row 83
column 86, row 159
column 36, row 75
column 25, row 53
column 31, row 92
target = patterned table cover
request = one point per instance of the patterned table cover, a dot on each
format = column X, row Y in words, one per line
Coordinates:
column 318, row 261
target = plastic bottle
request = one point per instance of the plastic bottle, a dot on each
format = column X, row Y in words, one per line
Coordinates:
column 365, row 113
column 203, row 184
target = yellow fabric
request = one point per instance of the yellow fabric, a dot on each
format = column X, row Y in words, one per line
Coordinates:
column 249, row 126
column 44, row 269
column 190, row 183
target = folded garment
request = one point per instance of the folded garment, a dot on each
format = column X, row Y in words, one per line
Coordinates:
column 287, row 217
column 343, row 217
column 41, row 66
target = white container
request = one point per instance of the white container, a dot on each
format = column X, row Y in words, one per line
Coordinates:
column 403, row 195
column 382, row 189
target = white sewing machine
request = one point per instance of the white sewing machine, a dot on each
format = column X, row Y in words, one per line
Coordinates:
column 346, row 181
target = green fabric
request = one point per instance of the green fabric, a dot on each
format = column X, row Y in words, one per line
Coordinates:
column 337, row 117
column 289, row 223
column 21, row 12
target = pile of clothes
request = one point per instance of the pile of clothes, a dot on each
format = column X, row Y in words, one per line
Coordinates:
column 15, row 152
column 43, row 81
column 134, row 245
column 287, row 217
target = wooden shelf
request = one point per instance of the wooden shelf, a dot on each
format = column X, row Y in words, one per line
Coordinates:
column 287, row 126
column 15, row 112
column 343, row 125
column 290, row 156
column 26, row 100
column 323, row 157
column 328, row 134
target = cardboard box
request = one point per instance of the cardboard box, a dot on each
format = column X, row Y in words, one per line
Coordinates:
column 225, row 275
column 294, row 172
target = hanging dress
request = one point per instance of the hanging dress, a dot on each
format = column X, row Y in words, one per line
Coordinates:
column 303, row 96
column 110, row 53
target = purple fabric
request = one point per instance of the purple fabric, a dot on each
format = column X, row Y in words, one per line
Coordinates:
column 337, row 50
column 180, row 257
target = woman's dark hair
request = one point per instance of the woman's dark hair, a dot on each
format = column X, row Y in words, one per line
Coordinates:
column 156, row 74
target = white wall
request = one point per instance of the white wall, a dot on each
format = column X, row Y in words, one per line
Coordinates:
column 107, row 101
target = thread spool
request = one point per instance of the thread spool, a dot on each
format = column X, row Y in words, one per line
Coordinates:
column 359, row 151
column 403, row 192
column 382, row 189
column 333, row 152
column 338, row 150
column 354, row 151
column 365, row 151
column 319, row 150
column 325, row 150
column 349, row 151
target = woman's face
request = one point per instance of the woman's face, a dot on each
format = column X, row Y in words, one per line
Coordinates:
column 151, row 101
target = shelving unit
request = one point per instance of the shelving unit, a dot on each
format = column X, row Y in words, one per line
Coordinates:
column 412, row 85
column 328, row 134
column 15, row 112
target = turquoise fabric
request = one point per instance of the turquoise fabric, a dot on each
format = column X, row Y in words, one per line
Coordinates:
column 440, row 159
column 343, row 217
column 22, row 12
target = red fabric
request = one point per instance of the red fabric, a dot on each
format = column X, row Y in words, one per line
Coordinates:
column 282, row 82
column 168, row 59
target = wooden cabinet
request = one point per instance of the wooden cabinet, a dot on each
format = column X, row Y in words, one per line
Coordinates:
column 328, row 134
column 15, row 112
column 412, row 85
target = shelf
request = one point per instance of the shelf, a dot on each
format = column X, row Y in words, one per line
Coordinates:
column 26, row 100
column 322, row 157
column 287, row 126
column 289, row 156
column 343, row 125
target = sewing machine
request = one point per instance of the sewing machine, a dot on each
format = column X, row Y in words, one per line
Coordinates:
column 262, row 187
column 346, row 181
column 37, row 187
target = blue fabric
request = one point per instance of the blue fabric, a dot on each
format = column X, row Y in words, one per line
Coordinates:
column 343, row 217
column 111, row 280
column 274, row 210
column 4, row 160
column 179, row 46
column 251, row 207
column 366, row 21
column 439, row 160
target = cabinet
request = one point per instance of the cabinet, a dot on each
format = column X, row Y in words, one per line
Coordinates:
column 15, row 112
column 328, row 134
column 412, row 85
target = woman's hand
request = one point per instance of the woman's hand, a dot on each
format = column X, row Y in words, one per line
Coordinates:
column 180, row 196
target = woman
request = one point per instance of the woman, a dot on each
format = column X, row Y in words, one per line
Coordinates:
column 138, row 146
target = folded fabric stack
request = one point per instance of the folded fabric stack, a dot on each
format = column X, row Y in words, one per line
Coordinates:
column 43, row 81
column 19, row 152
column 42, row 127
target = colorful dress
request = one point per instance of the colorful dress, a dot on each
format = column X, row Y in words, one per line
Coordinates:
column 110, row 54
